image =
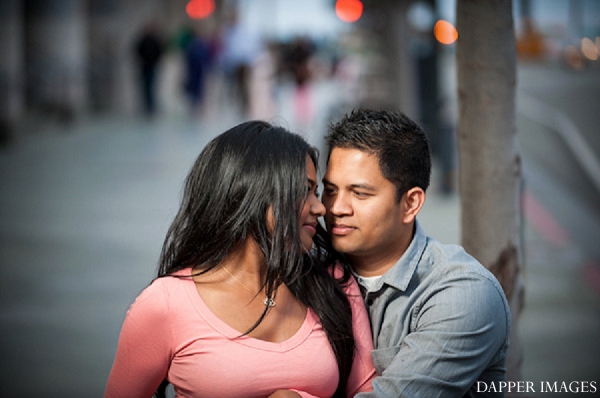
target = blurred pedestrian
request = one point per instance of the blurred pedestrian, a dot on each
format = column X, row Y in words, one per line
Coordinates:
column 198, row 59
column 301, row 52
column 149, row 48
column 240, row 307
column 240, row 51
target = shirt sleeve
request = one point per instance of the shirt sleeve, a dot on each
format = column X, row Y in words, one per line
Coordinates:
column 363, row 370
column 455, row 333
column 143, row 352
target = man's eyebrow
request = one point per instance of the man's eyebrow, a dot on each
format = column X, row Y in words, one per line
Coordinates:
column 363, row 185
column 327, row 182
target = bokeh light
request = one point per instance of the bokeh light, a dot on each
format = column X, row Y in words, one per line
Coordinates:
column 445, row 32
column 348, row 10
column 199, row 9
column 589, row 49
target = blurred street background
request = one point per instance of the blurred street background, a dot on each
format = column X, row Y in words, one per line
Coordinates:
column 105, row 105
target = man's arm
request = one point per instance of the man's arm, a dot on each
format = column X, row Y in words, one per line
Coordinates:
column 455, row 333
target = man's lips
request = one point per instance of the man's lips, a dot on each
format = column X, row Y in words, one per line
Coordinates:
column 341, row 229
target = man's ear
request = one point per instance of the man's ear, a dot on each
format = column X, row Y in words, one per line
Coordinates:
column 412, row 202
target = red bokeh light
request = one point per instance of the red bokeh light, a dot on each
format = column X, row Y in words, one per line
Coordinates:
column 348, row 10
column 198, row 9
column 445, row 32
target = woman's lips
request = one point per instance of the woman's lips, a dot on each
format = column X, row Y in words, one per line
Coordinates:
column 312, row 227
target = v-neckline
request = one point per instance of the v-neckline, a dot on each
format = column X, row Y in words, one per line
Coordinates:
column 310, row 320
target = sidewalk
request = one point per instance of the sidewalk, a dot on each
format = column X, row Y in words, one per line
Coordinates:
column 83, row 213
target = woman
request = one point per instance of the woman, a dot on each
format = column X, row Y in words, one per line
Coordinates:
column 240, row 307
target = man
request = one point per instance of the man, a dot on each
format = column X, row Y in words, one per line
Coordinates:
column 440, row 320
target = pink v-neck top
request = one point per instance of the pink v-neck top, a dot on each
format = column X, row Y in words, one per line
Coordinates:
column 169, row 331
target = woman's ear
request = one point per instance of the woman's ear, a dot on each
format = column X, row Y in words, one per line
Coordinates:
column 270, row 219
column 412, row 202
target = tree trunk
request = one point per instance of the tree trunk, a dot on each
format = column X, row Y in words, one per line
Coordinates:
column 390, row 78
column 490, row 165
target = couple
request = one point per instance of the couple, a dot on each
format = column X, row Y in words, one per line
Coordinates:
column 254, row 299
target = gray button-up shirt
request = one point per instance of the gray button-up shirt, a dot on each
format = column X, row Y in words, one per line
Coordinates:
column 440, row 323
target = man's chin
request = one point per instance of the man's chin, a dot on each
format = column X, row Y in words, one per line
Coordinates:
column 340, row 246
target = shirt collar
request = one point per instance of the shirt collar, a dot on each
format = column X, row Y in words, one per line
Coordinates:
column 402, row 271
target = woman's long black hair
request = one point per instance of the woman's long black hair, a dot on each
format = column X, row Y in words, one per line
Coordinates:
column 240, row 176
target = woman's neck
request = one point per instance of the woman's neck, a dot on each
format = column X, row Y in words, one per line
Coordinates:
column 247, row 264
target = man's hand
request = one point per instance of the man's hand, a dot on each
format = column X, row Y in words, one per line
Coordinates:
column 285, row 394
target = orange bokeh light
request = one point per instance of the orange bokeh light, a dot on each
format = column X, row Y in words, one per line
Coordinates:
column 445, row 32
column 348, row 10
column 199, row 9
column 589, row 49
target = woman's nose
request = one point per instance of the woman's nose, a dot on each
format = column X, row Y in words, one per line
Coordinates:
column 316, row 207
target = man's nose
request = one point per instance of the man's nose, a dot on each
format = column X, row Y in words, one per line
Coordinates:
column 340, row 205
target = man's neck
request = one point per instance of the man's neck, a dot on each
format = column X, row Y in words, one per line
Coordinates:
column 375, row 264
column 368, row 267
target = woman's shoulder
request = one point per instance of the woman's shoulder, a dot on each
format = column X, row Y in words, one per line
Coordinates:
column 336, row 270
column 163, row 289
column 348, row 282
